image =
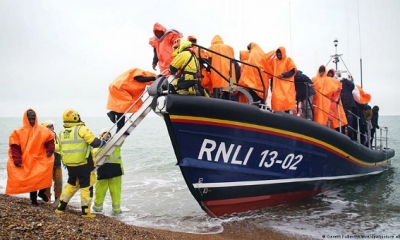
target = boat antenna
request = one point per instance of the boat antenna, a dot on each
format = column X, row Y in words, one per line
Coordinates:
column 359, row 36
column 336, row 56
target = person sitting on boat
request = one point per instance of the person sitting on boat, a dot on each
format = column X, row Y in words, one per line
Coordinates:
column 304, row 94
column 124, row 91
column 223, row 65
column 325, row 87
column 186, row 68
column 283, row 90
column 337, row 116
column 162, row 44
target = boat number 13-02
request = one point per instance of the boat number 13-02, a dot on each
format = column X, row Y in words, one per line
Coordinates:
column 290, row 162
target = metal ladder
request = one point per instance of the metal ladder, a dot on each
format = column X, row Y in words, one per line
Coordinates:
column 132, row 120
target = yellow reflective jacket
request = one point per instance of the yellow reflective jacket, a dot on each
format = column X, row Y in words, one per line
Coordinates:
column 74, row 145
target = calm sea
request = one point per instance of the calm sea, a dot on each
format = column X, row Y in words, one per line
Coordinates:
column 155, row 194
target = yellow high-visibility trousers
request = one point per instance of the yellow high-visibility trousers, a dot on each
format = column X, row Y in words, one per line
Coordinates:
column 102, row 186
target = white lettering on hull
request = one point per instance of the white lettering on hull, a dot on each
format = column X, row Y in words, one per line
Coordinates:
column 220, row 152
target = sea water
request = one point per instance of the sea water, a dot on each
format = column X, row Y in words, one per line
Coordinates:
column 155, row 195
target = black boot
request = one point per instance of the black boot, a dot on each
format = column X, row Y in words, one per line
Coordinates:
column 42, row 195
column 111, row 115
column 61, row 207
column 33, row 197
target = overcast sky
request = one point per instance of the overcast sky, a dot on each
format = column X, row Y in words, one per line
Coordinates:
column 60, row 54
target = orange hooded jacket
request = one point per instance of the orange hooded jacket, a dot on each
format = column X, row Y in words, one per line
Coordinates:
column 124, row 91
column 283, row 90
column 220, row 63
column 325, row 87
column 251, row 77
column 36, row 171
column 336, row 111
column 163, row 45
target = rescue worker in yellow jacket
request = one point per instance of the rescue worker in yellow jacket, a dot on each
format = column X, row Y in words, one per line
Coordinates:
column 77, row 155
column 109, row 177
column 57, row 171
column 186, row 68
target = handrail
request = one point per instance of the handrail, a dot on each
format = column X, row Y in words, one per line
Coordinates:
column 232, row 62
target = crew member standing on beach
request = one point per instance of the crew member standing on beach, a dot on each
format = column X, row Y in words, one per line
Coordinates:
column 57, row 171
column 109, row 177
column 77, row 155
column 31, row 159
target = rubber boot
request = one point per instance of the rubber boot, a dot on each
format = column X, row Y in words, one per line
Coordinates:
column 61, row 207
column 43, row 196
column 86, row 212
column 111, row 116
column 33, row 197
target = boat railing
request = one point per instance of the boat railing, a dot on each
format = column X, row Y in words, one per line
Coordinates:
column 232, row 82
column 382, row 139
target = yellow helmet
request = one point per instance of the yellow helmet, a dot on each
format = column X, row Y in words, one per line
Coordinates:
column 71, row 116
column 47, row 123
column 104, row 130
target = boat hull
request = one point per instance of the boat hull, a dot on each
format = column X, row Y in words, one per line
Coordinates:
column 235, row 157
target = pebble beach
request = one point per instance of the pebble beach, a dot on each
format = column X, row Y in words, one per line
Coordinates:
column 21, row 220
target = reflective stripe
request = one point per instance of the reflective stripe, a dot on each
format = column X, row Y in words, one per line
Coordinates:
column 116, row 208
column 74, row 149
column 65, row 197
column 85, row 202
column 114, row 157
column 98, row 206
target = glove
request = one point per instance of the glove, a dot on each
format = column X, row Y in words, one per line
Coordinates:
column 17, row 162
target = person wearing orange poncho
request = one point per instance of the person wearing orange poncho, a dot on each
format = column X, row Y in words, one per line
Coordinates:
column 283, row 88
column 30, row 158
column 325, row 87
column 255, row 78
column 124, row 91
column 337, row 115
column 223, row 65
column 162, row 44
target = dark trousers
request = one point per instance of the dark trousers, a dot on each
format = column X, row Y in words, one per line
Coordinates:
column 33, row 195
column 115, row 116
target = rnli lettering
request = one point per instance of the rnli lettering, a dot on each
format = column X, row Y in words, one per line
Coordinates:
column 238, row 155
column 228, row 154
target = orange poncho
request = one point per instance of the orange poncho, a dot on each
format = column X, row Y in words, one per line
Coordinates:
column 325, row 88
column 36, row 171
column 221, row 63
column 124, row 91
column 253, row 77
column 283, row 90
column 163, row 45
